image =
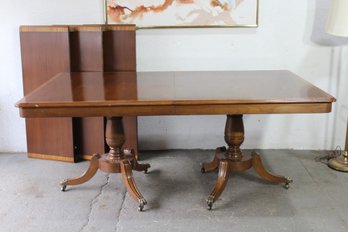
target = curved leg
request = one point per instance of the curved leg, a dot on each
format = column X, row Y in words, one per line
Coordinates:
column 224, row 171
column 137, row 166
column 208, row 167
column 260, row 169
column 140, row 167
column 128, row 180
column 91, row 171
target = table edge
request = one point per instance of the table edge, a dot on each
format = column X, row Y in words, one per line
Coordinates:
column 148, row 110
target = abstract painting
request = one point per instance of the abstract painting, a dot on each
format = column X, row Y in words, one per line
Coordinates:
column 183, row 13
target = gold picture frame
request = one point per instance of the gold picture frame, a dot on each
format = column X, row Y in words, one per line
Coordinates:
column 182, row 13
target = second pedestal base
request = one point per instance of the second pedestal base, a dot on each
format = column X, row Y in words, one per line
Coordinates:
column 227, row 166
column 231, row 159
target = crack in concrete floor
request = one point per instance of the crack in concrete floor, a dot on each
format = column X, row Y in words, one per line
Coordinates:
column 306, row 207
column 120, row 211
column 94, row 202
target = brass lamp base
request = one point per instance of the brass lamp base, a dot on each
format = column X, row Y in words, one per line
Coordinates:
column 340, row 163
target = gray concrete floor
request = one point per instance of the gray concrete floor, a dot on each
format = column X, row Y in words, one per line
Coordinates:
column 176, row 190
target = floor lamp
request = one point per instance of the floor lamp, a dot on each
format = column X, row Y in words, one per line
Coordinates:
column 337, row 24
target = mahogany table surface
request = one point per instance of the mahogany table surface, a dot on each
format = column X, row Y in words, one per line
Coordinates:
column 84, row 94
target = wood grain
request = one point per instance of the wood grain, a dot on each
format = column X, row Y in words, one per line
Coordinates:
column 113, row 93
column 119, row 50
column 120, row 55
column 86, row 52
column 48, row 50
column 49, row 136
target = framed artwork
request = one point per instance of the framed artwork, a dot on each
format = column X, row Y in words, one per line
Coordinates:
column 182, row 13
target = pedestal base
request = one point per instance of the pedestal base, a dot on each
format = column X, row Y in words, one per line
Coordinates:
column 232, row 160
column 123, row 166
column 116, row 161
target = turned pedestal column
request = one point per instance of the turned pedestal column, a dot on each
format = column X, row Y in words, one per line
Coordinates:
column 115, row 161
column 233, row 160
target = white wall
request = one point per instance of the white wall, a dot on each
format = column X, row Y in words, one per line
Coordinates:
column 290, row 36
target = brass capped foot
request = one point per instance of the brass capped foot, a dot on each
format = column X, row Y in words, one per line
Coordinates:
column 288, row 182
column 63, row 185
column 142, row 203
column 210, row 202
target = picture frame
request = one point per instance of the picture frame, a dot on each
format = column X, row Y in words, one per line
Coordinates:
column 182, row 13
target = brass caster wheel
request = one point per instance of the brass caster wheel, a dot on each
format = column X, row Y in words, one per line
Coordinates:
column 210, row 206
column 63, row 185
column 210, row 202
column 287, row 183
column 202, row 170
column 142, row 203
column 63, row 188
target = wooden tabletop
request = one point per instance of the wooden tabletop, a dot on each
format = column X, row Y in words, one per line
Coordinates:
column 174, row 93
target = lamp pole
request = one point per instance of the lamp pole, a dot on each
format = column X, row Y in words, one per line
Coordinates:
column 337, row 24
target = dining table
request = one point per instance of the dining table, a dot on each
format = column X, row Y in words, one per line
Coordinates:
column 115, row 95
